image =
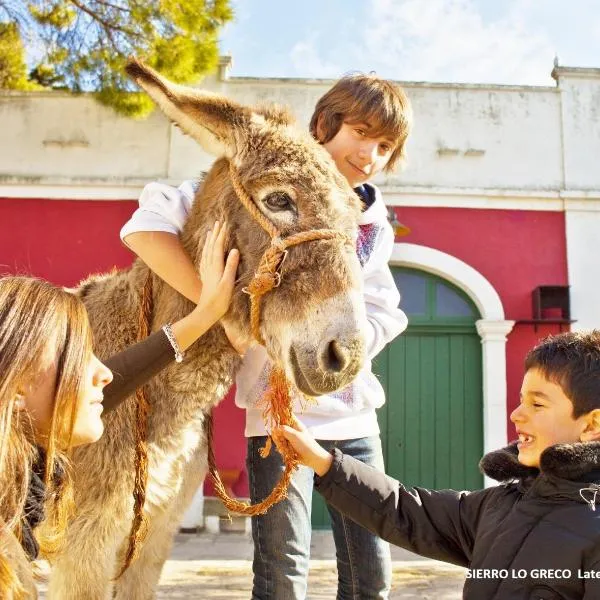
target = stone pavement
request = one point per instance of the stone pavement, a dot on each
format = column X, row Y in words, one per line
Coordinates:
column 218, row 566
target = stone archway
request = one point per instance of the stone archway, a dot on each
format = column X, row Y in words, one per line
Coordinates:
column 492, row 328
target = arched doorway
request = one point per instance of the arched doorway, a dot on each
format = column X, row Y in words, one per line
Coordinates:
column 432, row 422
column 492, row 329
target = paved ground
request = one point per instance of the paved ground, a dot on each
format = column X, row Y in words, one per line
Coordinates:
column 210, row 566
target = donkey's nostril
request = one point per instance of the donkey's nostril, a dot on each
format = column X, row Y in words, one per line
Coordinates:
column 335, row 357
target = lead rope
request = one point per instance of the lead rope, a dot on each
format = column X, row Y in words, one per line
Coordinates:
column 139, row 526
column 278, row 403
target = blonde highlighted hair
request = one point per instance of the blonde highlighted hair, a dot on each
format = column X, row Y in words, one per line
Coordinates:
column 41, row 326
column 368, row 99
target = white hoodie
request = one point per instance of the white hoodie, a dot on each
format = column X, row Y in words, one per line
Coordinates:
column 348, row 413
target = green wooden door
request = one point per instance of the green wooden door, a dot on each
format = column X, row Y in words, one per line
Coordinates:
column 432, row 421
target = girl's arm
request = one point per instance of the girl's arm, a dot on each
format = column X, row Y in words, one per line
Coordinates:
column 153, row 231
column 137, row 364
column 153, row 234
column 165, row 256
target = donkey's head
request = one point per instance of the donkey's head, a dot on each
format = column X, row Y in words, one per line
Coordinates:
column 312, row 322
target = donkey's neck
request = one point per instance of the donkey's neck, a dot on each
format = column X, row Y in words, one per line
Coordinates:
column 212, row 361
column 204, row 376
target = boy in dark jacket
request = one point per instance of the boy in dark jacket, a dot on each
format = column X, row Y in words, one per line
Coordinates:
column 537, row 535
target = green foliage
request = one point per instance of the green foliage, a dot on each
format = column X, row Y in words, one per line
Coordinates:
column 13, row 70
column 83, row 45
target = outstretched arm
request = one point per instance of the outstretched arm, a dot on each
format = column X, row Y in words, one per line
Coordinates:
column 164, row 254
column 153, row 234
column 436, row 524
column 137, row 364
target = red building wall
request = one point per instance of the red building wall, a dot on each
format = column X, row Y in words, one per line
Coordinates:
column 516, row 251
column 65, row 240
column 62, row 240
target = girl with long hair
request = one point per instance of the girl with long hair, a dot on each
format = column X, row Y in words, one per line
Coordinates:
column 53, row 390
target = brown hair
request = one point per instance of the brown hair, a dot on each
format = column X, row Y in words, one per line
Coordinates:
column 39, row 324
column 362, row 98
column 571, row 360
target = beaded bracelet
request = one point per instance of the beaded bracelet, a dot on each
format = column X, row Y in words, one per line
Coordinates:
column 171, row 337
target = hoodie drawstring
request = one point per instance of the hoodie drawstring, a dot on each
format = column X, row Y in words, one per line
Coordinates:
column 593, row 489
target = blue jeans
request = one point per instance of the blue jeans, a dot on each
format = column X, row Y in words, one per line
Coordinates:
column 282, row 535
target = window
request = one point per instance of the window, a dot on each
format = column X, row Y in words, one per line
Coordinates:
column 425, row 298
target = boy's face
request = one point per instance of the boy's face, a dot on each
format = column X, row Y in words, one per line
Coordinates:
column 544, row 418
column 357, row 156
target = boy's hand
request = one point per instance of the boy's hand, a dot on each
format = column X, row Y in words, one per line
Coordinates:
column 308, row 449
column 217, row 275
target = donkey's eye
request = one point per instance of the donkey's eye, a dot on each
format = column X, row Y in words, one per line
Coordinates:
column 278, row 202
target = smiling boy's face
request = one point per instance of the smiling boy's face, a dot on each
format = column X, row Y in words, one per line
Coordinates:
column 357, row 155
column 545, row 418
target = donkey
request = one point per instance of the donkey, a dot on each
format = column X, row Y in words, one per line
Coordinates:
column 311, row 324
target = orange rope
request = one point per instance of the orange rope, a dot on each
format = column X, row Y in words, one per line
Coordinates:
column 250, row 206
column 278, row 402
column 277, row 399
column 140, row 525
column 267, row 275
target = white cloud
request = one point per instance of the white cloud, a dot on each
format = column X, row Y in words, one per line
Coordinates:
column 448, row 40
column 436, row 40
column 307, row 61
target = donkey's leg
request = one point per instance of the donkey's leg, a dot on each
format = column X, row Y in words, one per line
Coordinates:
column 140, row 580
column 86, row 566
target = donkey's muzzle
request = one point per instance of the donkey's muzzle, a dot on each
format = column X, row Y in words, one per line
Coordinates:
column 333, row 366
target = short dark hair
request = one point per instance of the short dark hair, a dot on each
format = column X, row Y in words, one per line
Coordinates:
column 365, row 98
column 571, row 360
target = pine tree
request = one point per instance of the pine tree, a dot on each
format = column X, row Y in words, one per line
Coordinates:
column 82, row 45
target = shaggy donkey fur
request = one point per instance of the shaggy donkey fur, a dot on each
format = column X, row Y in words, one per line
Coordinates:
column 294, row 183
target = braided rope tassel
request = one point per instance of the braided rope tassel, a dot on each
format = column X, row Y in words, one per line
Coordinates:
column 278, row 412
column 139, row 526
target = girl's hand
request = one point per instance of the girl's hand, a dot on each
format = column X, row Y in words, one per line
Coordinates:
column 217, row 275
column 218, row 280
column 309, row 451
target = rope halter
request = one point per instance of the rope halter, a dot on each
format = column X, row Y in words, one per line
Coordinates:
column 279, row 409
column 268, row 273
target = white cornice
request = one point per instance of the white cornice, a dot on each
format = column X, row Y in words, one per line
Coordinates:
column 74, row 191
column 416, row 196
column 489, row 198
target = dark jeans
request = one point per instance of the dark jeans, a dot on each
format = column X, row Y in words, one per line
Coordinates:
column 282, row 535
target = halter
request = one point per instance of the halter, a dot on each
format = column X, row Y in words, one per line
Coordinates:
column 277, row 397
column 268, row 273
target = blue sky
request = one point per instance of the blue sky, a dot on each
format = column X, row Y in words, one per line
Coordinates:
column 474, row 41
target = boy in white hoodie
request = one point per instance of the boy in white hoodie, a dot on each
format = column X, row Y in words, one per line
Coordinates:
column 363, row 121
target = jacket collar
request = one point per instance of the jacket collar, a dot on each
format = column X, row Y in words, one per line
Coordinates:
column 576, row 462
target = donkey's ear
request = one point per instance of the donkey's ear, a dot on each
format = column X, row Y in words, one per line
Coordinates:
column 212, row 120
